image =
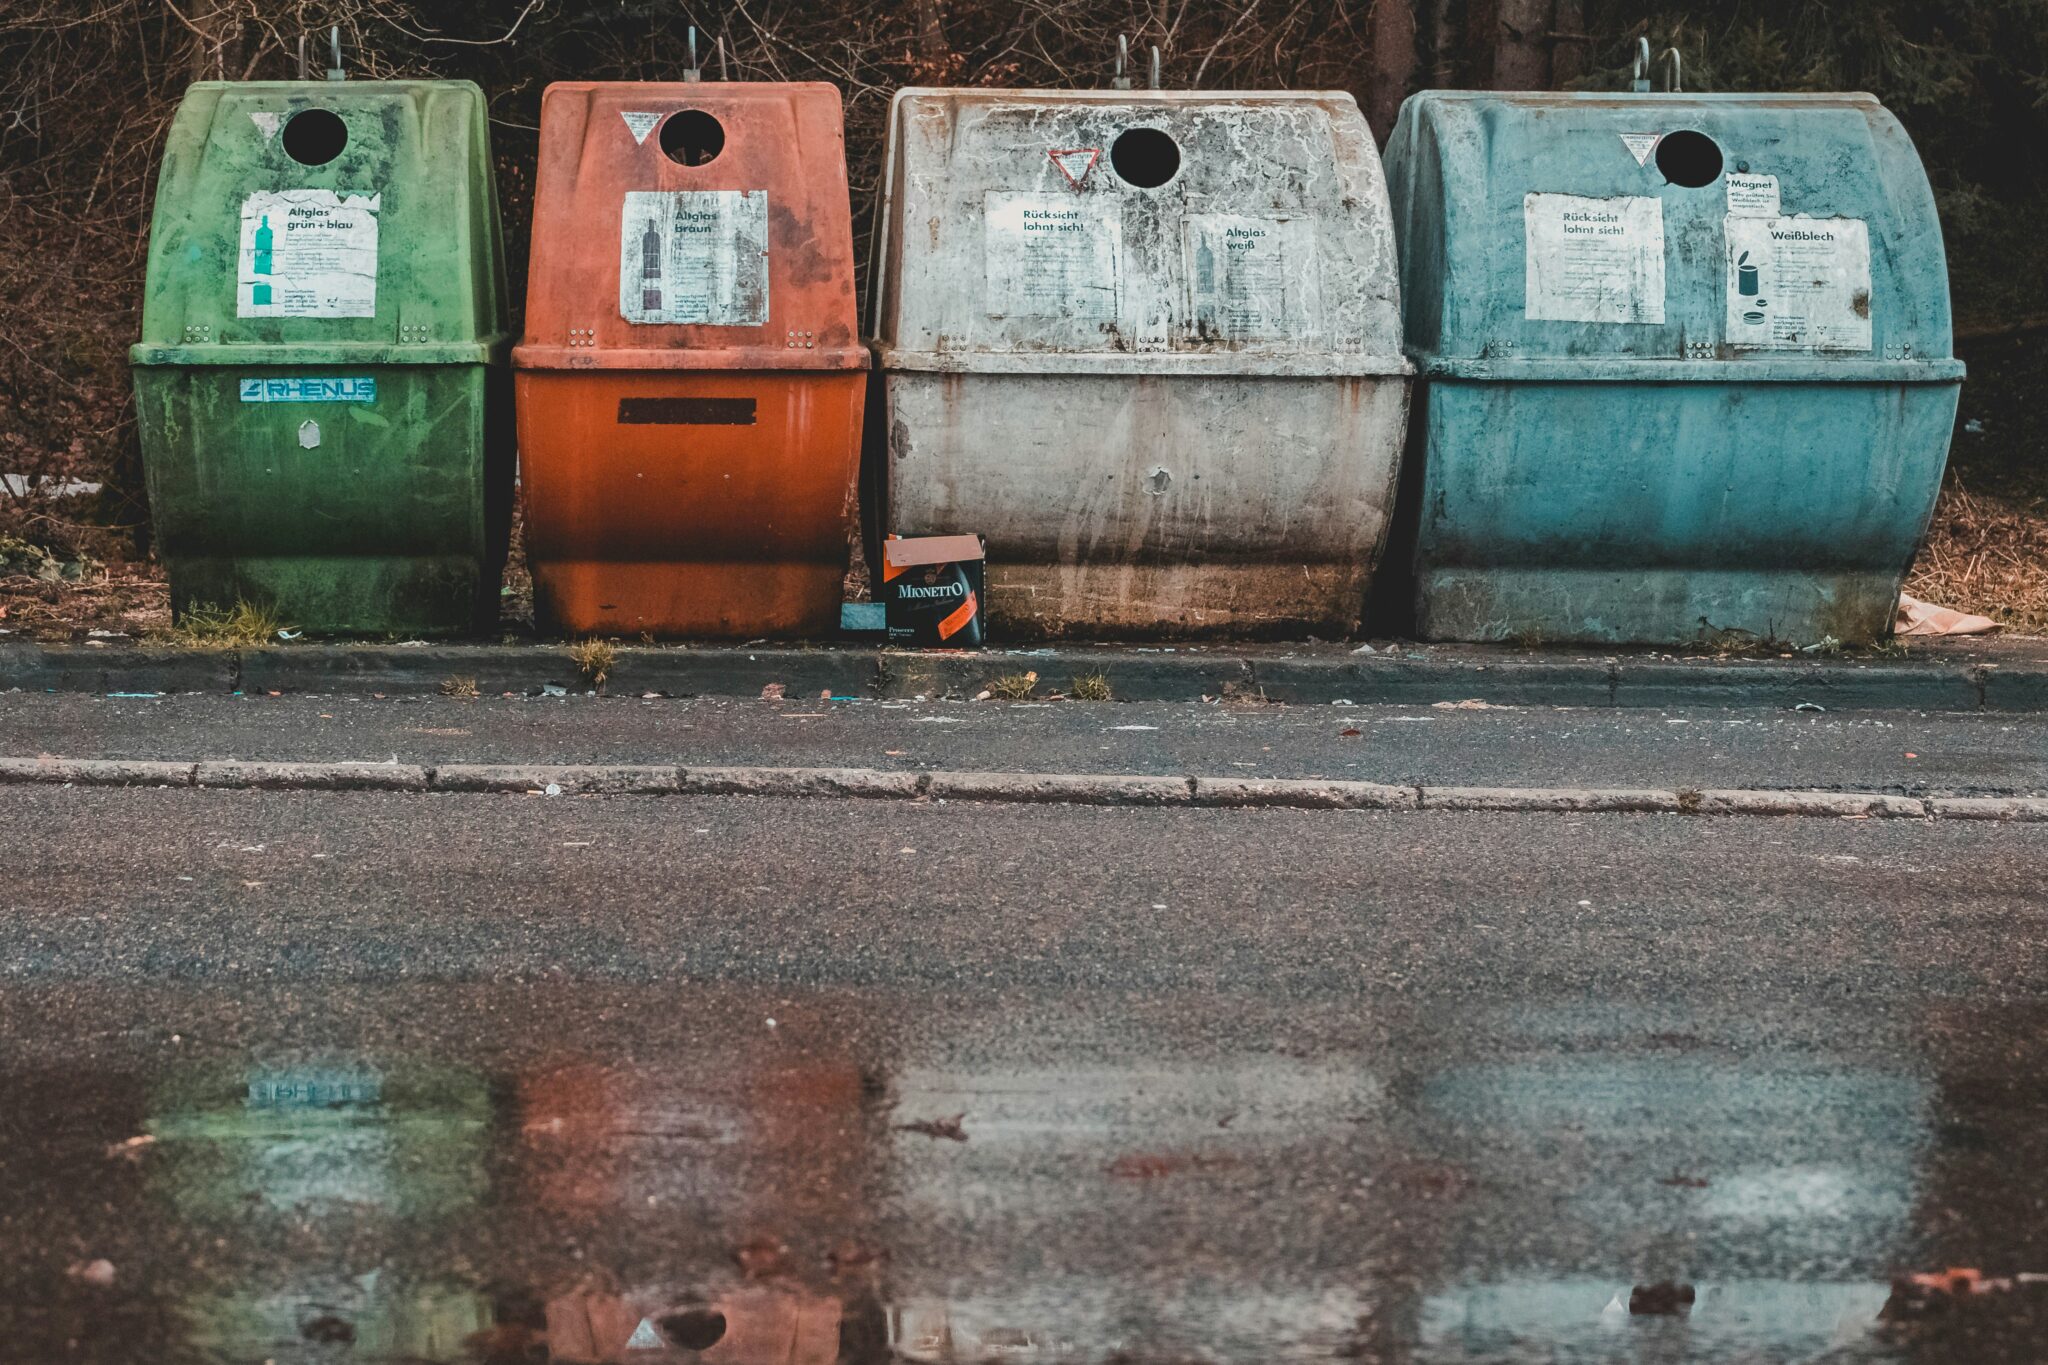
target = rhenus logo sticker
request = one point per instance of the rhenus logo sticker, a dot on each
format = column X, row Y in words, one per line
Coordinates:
column 309, row 390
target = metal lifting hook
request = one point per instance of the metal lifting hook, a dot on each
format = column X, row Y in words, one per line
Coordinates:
column 1676, row 85
column 334, row 71
column 693, row 72
column 1639, row 79
column 1123, row 57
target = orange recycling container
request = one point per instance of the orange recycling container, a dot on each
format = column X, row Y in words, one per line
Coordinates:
column 690, row 383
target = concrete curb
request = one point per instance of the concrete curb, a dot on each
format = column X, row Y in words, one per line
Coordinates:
column 1302, row 675
column 1108, row 789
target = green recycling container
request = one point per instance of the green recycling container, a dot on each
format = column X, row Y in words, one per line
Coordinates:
column 1685, row 361
column 321, row 387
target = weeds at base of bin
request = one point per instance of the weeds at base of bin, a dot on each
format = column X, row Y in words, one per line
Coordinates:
column 214, row 627
column 1529, row 637
column 1090, row 687
column 594, row 660
column 1987, row 552
column 1247, row 694
column 464, row 688
column 1013, row 686
column 1689, row 799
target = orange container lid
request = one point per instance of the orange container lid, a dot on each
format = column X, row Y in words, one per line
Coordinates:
column 691, row 226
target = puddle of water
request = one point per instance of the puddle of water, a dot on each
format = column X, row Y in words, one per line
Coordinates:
column 1123, row 1194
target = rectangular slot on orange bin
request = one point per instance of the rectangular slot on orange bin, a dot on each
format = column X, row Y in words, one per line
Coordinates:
column 686, row 412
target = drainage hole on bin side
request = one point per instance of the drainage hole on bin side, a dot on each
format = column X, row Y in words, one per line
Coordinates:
column 1144, row 157
column 314, row 137
column 1688, row 158
column 692, row 137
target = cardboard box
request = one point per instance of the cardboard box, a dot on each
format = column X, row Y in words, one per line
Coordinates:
column 932, row 590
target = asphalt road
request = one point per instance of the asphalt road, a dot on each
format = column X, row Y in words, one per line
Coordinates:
column 1911, row 753
column 325, row 1077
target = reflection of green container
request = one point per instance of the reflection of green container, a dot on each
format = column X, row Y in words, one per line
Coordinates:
column 1616, row 440
column 388, row 1319
column 407, row 1143
column 382, row 263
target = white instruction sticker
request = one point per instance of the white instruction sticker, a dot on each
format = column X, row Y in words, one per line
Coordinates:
column 1753, row 196
column 1052, row 256
column 698, row 257
column 1798, row 284
column 1251, row 278
column 1640, row 145
column 308, row 254
column 1593, row 260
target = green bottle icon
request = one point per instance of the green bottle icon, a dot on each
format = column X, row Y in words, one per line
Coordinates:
column 265, row 242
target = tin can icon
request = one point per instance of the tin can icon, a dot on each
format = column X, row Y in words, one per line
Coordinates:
column 1747, row 279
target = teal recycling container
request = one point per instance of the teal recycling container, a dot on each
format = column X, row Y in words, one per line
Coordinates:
column 1686, row 360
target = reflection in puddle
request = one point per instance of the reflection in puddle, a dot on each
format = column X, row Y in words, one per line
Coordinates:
column 411, row 1143
column 742, row 1201
column 1590, row 1319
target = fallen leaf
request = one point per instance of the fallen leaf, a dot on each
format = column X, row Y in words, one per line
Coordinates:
column 133, row 1148
column 772, row 692
column 949, row 1129
column 1352, row 733
column 99, row 1272
column 760, row 1257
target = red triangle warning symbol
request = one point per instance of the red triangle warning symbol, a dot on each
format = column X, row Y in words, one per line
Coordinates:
column 1075, row 163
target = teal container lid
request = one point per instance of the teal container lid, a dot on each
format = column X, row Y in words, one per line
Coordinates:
column 1667, row 237
column 310, row 222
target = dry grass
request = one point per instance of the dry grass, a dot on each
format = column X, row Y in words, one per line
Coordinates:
column 243, row 625
column 595, row 660
column 1987, row 554
column 460, row 687
column 1013, row 686
column 1091, row 687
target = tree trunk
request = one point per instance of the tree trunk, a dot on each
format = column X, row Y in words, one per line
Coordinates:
column 1480, row 37
column 1568, row 48
column 1393, row 63
column 1437, row 21
column 209, row 47
column 931, row 33
column 1521, row 45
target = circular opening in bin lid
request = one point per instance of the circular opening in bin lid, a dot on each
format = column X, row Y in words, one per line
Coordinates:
column 1688, row 158
column 314, row 137
column 1145, row 157
column 692, row 137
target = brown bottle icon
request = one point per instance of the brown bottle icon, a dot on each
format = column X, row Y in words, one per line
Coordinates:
column 650, row 267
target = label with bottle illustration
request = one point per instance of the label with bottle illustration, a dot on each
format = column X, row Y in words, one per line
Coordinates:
column 695, row 257
column 1798, row 284
column 1251, row 279
column 308, row 254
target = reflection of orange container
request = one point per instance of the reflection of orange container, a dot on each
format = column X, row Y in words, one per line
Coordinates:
column 690, row 384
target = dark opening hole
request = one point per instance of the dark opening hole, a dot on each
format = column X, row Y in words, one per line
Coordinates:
column 692, row 137
column 1689, row 159
column 314, row 137
column 1144, row 157
column 694, row 1329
